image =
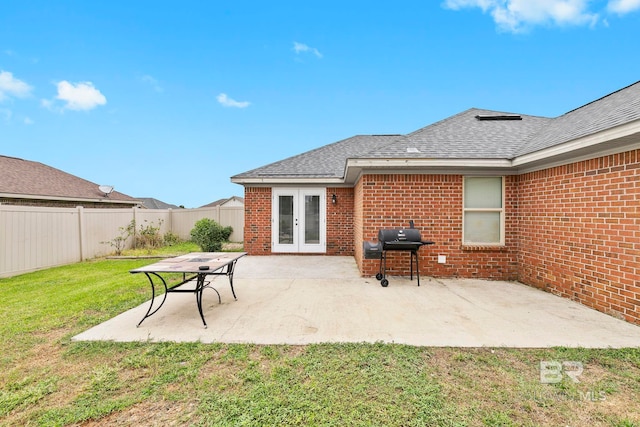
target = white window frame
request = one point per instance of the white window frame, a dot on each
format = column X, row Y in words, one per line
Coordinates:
column 500, row 210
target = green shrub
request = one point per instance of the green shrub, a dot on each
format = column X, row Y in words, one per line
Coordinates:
column 171, row 239
column 148, row 236
column 209, row 235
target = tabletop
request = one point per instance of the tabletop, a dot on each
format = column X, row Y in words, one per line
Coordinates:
column 195, row 262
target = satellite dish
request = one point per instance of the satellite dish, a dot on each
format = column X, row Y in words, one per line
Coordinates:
column 106, row 189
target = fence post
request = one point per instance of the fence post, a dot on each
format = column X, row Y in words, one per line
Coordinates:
column 82, row 228
column 135, row 225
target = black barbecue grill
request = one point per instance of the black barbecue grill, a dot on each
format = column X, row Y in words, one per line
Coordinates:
column 400, row 239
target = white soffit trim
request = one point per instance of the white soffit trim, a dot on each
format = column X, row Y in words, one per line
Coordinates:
column 581, row 143
column 428, row 163
column 532, row 167
column 283, row 181
column 355, row 167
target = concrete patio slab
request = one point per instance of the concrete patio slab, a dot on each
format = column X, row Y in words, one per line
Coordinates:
column 313, row 299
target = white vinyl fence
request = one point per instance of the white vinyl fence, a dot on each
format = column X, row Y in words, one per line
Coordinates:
column 32, row 238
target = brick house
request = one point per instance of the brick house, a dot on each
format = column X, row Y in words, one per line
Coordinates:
column 550, row 202
column 27, row 183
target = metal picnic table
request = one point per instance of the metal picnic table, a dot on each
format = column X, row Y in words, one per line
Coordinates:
column 193, row 266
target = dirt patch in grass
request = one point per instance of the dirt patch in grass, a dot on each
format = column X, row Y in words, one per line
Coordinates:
column 232, row 246
column 149, row 413
column 500, row 387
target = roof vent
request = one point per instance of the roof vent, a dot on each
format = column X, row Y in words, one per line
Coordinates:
column 412, row 150
column 498, row 117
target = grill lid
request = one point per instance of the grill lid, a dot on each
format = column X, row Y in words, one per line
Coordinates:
column 410, row 235
column 401, row 239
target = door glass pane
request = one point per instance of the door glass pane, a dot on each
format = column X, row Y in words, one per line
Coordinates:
column 482, row 227
column 483, row 192
column 312, row 219
column 285, row 219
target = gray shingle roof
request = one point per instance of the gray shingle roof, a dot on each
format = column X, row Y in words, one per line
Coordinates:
column 617, row 108
column 463, row 136
column 151, row 203
column 323, row 162
column 23, row 177
column 221, row 202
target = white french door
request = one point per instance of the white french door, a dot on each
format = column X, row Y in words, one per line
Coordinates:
column 299, row 220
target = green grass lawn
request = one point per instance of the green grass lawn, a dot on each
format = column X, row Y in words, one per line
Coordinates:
column 47, row 379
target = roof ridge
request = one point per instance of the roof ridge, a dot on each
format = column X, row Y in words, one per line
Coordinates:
column 581, row 121
column 444, row 121
column 400, row 136
column 601, row 98
column 469, row 110
column 14, row 158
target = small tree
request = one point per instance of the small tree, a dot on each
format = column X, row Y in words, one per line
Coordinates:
column 120, row 242
column 209, row 235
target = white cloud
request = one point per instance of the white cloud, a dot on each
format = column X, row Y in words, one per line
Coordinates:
column 301, row 47
column 459, row 4
column 623, row 6
column 518, row 15
column 154, row 83
column 224, row 100
column 78, row 96
column 12, row 87
column 28, row 121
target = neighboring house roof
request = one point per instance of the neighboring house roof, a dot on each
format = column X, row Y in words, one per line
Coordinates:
column 24, row 179
column 151, row 203
column 474, row 138
column 222, row 202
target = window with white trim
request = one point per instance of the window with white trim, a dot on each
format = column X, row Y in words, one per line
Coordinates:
column 483, row 210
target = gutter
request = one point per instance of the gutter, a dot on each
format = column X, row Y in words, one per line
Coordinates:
column 68, row 199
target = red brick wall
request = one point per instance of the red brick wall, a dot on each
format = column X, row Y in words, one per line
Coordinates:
column 580, row 232
column 340, row 222
column 257, row 220
column 358, row 225
column 434, row 203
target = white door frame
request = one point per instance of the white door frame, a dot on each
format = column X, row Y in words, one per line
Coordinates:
column 294, row 242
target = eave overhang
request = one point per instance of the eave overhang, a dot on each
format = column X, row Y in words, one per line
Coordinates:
column 288, row 180
column 611, row 141
column 69, row 199
column 356, row 167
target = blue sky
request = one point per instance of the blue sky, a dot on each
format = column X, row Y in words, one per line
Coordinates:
column 169, row 99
